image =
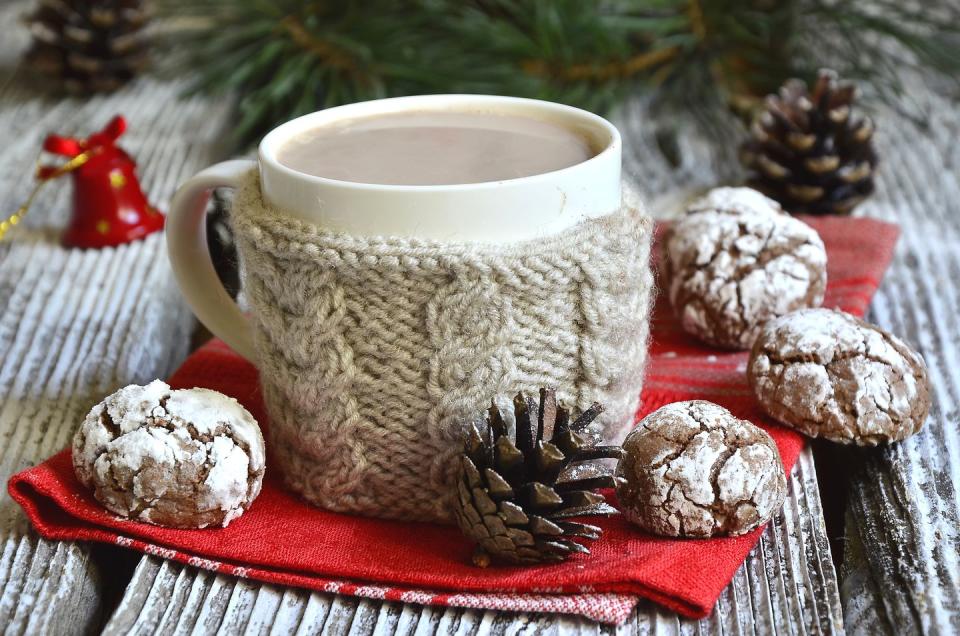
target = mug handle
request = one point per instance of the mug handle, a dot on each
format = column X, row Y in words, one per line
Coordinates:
column 189, row 255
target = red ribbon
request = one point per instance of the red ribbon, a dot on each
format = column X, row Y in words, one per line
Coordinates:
column 72, row 146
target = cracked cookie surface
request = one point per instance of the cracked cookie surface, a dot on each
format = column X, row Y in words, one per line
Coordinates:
column 829, row 374
column 693, row 469
column 187, row 458
column 737, row 260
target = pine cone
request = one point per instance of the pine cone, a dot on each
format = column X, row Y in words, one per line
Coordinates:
column 514, row 495
column 808, row 151
column 88, row 45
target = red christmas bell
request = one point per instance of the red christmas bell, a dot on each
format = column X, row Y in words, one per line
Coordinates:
column 109, row 208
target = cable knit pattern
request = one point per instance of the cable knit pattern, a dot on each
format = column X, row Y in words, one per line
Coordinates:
column 375, row 352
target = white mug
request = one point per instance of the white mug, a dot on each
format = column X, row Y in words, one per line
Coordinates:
column 493, row 212
column 384, row 318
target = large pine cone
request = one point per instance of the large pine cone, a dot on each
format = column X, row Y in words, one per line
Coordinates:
column 514, row 494
column 809, row 152
column 88, row 46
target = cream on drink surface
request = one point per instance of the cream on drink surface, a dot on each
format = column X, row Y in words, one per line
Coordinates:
column 435, row 148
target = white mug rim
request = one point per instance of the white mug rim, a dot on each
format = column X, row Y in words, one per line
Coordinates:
column 455, row 102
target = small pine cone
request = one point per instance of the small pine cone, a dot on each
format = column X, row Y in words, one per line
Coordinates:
column 808, row 151
column 515, row 493
column 88, row 46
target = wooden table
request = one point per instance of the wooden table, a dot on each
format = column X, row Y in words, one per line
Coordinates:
column 76, row 325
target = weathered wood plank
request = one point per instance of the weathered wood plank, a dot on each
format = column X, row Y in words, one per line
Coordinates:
column 388, row 620
column 263, row 614
column 75, row 325
column 902, row 561
column 289, row 612
column 314, row 615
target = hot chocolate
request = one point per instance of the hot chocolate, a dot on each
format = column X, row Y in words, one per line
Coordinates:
column 435, row 148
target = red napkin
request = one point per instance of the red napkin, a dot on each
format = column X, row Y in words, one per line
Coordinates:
column 283, row 540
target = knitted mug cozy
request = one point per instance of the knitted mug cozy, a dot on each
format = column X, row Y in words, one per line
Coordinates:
column 376, row 352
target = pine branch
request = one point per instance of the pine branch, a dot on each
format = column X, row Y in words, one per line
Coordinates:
column 288, row 57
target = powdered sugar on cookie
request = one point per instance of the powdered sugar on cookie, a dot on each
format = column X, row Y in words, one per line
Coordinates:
column 183, row 458
column 692, row 469
column 744, row 200
column 831, row 375
column 735, row 261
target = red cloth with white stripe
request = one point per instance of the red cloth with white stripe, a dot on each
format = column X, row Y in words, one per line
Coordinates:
column 283, row 540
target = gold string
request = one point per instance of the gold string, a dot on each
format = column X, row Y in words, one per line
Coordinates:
column 8, row 223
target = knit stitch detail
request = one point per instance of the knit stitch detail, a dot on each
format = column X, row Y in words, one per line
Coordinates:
column 376, row 352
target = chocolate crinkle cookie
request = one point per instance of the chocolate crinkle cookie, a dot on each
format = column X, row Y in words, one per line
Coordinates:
column 737, row 260
column 693, row 469
column 188, row 458
column 829, row 374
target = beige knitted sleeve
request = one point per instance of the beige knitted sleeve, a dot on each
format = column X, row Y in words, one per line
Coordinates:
column 375, row 352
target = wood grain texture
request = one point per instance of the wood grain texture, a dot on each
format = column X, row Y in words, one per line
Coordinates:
column 902, row 561
column 75, row 325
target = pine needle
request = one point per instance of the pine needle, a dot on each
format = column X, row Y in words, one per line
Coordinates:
column 289, row 57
